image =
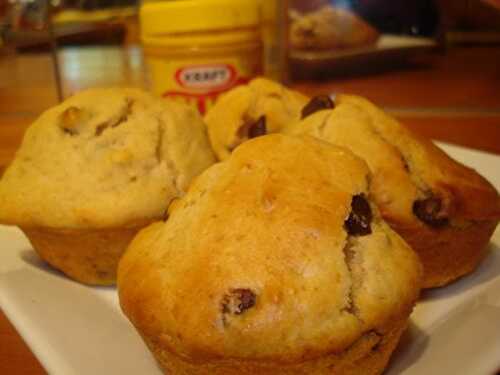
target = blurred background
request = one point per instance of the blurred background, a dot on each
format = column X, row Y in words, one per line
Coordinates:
column 435, row 64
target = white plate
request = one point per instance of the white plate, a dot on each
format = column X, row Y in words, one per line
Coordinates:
column 74, row 329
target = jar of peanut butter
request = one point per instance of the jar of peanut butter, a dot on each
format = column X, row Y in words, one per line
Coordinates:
column 197, row 49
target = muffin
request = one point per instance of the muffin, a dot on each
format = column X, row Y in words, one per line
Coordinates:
column 444, row 210
column 330, row 27
column 274, row 262
column 94, row 170
column 249, row 111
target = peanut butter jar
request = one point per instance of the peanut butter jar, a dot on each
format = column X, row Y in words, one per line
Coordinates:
column 197, row 49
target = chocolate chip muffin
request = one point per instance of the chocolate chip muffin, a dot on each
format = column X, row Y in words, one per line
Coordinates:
column 444, row 210
column 249, row 111
column 276, row 261
column 94, row 170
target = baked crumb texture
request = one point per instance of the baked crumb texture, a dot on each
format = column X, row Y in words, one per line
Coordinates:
column 261, row 107
column 94, row 170
column 275, row 261
column 444, row 210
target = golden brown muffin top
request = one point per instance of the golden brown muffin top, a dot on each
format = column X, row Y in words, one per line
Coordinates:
column 104, row 158
column 276, row 254
column 261, row 107
column 413, row 180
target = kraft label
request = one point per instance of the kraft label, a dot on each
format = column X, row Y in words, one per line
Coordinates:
column 199, row 83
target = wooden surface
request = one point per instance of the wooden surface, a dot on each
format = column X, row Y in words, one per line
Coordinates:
column 15, row 356
column 460, row 80
column 453, row 97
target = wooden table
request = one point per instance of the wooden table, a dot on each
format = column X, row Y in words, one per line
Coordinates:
column 453, row 97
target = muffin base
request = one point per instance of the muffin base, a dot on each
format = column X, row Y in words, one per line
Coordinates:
column 89, row 256
column 369, row 355
column 447, row 253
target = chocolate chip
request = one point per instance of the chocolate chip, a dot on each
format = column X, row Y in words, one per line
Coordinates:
column 126, row 111
column 237, row 301
column 358, row 222
column 258, row 128
column 100, row 128
column 428, row 210
column 69, row 131
column 316, row 104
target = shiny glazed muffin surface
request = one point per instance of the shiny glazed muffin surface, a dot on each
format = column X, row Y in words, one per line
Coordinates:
column 276, row 254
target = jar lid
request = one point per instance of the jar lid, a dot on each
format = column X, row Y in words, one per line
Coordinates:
column 181, row 16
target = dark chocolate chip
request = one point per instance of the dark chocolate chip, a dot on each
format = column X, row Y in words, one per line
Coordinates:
column 238, row 300
column 358, row 222
column 100, row 128
column 316, row 104
column 428, row 210
column 258, row 128
column 70, row 131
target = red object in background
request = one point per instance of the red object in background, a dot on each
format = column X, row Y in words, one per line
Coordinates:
column 203, row 99
column 470, row 15
column 493, row 3
column 3, row 9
